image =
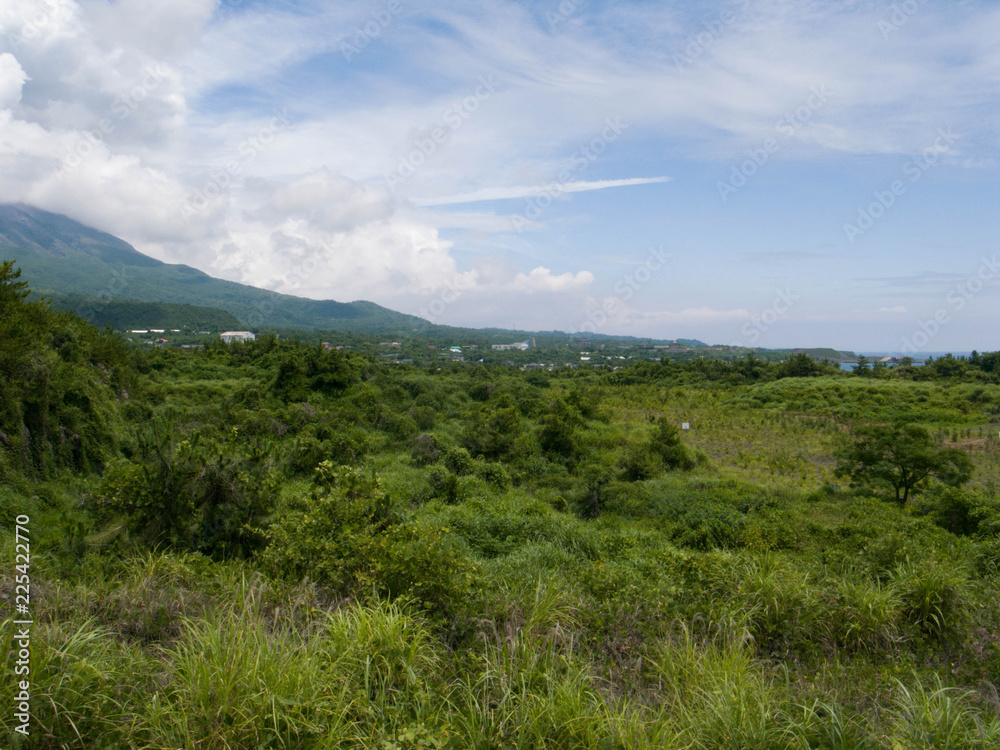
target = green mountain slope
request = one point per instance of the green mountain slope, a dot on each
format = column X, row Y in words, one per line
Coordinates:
column 61, row 257
column 126, row 314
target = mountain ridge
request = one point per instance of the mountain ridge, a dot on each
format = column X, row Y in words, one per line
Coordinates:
column 62, row 257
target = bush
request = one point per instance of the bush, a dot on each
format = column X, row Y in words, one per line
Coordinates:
column 497, row 432
column 495, row 474
column 663, row 450
column 558, row 434
column 458, row 461
column 205, row 496
column 347, row 535
column 426, row 449
column 962, row 512
column 423, row 416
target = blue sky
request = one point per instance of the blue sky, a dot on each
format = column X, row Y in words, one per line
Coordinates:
column 754, row 172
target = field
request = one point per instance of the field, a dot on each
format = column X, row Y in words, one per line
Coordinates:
column 277, row 546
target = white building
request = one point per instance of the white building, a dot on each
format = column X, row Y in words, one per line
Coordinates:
column 231, row 336
column 520, row 345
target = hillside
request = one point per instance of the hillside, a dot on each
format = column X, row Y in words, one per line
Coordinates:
column 125, row 314
column 60, row 256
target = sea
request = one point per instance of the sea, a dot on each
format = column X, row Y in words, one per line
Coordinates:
column 918, row 357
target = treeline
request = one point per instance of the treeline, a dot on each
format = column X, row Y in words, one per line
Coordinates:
column 983, row 368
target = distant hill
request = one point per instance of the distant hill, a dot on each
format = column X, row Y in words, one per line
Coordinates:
column 63, row 259
column 826, row 353
column 126, row 314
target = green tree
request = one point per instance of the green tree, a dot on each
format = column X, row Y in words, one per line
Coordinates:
column 800, row 365
column 496, row 432
column 558, row 435
column 902, row 457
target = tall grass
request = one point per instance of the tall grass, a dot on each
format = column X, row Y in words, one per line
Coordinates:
column 937, row 717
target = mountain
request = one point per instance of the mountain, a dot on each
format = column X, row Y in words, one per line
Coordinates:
column 127, row 314
column 65, row 260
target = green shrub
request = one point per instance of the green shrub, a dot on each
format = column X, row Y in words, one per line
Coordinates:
column 426, row 449
column 493, row 473
column 444, row 485
column 347, row 535
column 496, row 432
column 200, row 495
column 458, row 461
column 423, row 416
column 663, row 450
column 959, row 511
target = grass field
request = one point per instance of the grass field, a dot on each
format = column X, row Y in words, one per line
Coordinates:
column 492, row 559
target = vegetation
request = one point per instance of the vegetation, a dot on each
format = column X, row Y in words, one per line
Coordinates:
column 123, row 315
column 902, row 456
column 277, row 545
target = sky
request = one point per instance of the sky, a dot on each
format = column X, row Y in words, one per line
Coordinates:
column 771, row 173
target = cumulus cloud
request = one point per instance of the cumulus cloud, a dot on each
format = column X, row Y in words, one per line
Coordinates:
column 331, row 202
column 139, row 117
column 12, row 78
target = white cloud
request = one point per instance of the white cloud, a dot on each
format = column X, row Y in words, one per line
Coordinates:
column 319, row 191
column 543, row 280
column 555, row 188
column 12, row 78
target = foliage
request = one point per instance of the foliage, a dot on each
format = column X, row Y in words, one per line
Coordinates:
column 348, row 535
column 206, row 496
column 61, row 385
column 902, row 457
column 363, row 553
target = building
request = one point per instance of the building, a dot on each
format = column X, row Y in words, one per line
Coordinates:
column 521, row 346
column 231, row 337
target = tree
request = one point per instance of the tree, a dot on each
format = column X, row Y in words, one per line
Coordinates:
column 558, row 435
column 800, row 365
column 903, row 457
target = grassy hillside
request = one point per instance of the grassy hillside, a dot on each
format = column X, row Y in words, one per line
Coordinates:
column 274, row 545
